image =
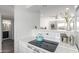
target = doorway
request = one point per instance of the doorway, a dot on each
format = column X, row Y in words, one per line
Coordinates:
column 7, row 28
column 7, row 36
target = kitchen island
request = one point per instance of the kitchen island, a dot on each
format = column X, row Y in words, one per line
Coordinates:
column 25, row 47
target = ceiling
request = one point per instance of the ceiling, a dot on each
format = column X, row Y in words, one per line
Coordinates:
column 49, row 8
column 35, row 8
column 7, row 11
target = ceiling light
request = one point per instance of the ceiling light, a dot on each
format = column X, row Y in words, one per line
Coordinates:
column 67, row 8
column 75, row 6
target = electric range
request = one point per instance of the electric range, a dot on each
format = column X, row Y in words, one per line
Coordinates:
column 46, row 44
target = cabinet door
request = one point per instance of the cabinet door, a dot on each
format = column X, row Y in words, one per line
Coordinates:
column 24, row 49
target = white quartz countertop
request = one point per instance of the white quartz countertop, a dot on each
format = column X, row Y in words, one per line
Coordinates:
column 66, row 48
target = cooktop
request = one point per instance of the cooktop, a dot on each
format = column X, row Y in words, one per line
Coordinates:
column 46, row 44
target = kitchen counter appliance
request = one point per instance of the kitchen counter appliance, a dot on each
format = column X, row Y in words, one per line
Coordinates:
column 46, row 44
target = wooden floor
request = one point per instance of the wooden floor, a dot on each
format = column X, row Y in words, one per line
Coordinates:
column 8, row 46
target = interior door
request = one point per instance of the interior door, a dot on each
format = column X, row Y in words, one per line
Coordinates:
column 0, row 35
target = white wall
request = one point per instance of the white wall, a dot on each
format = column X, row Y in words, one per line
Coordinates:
column 0, row 36
column 52, row 10
column 11, row 32
column 24, row 22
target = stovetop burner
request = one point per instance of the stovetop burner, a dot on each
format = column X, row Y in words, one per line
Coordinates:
column 46, row 44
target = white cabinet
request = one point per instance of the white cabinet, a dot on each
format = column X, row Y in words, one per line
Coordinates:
column 23, row 48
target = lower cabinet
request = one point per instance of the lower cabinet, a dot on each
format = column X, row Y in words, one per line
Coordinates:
column 23, row 48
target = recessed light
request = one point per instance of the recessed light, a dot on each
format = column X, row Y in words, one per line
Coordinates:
column 67, row 8
column 75, row 6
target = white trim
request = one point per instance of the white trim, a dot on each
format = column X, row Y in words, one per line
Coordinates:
column 0, row 35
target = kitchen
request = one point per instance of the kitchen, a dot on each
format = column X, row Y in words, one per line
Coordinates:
column 46, row 24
